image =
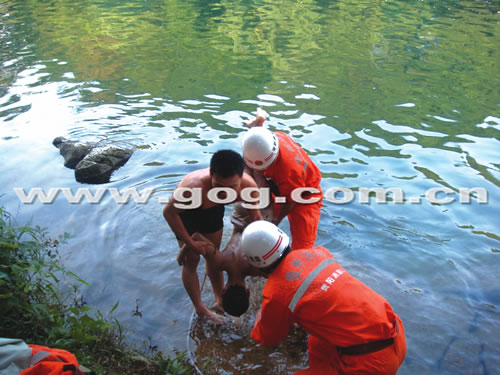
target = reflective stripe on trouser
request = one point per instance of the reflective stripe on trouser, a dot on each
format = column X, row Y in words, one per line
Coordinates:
column 325, row 360
column 304, row 220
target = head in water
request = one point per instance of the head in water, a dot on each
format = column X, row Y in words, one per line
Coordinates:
column 235, row 300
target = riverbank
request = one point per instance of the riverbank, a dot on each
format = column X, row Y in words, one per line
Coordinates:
column 42, row 304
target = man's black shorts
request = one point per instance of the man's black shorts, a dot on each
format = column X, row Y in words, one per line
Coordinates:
column 203, row 221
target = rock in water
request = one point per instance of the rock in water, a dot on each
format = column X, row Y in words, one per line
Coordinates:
column 93, row 163
column 99, row 164
column 72, row 151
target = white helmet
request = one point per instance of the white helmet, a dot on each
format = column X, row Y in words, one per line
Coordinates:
column 260, row 148
column 263, row 243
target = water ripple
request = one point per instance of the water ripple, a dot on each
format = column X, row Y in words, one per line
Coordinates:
column 380, row 94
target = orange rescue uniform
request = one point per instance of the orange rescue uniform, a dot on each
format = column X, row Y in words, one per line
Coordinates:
column 337, row 310
column 294, row 169
column 51, row 361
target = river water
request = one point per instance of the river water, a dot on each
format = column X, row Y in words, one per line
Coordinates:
column 381, row 94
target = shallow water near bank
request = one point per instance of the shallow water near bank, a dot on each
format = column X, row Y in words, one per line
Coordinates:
column 227, row 348
column 381, row 95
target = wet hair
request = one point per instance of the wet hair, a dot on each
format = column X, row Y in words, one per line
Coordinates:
column 235, row 300
column 226, row 163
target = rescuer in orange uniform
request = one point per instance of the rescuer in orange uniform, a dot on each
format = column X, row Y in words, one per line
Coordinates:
column 292, row 177
column 352, row 329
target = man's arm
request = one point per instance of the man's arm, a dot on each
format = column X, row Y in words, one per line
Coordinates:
column 171, row 215
column 255, row 214
column 260, row 117
column 285, row 209
column 211, row 255
column 272, row 323
column 248, row 182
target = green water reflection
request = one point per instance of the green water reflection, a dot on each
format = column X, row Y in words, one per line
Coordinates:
column 363, row 56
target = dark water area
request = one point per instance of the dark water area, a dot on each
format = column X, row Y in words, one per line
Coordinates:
column 382, row 94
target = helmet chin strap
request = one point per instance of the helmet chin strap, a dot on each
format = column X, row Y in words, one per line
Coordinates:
column 268, row 270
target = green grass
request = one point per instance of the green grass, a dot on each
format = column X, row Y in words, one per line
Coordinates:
column 37, row 310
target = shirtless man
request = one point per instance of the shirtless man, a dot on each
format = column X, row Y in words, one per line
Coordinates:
column 226, row 171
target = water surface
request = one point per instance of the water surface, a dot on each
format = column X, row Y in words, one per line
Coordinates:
column 388, row 94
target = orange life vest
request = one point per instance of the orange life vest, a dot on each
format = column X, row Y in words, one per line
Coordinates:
column 49, row 361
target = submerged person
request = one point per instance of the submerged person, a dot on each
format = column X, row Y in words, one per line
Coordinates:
column 226, row 171
column 235, row 294
column 352, row 329
column 292, row 177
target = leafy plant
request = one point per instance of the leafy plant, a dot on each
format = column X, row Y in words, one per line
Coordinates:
column 35, row 309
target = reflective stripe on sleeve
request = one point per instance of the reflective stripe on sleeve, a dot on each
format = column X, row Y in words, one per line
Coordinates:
column 39, row 356
column 305, row 284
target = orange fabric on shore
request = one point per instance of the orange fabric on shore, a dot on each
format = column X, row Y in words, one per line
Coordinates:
column 336, row 309
column 294, row 169
column 52, row 362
